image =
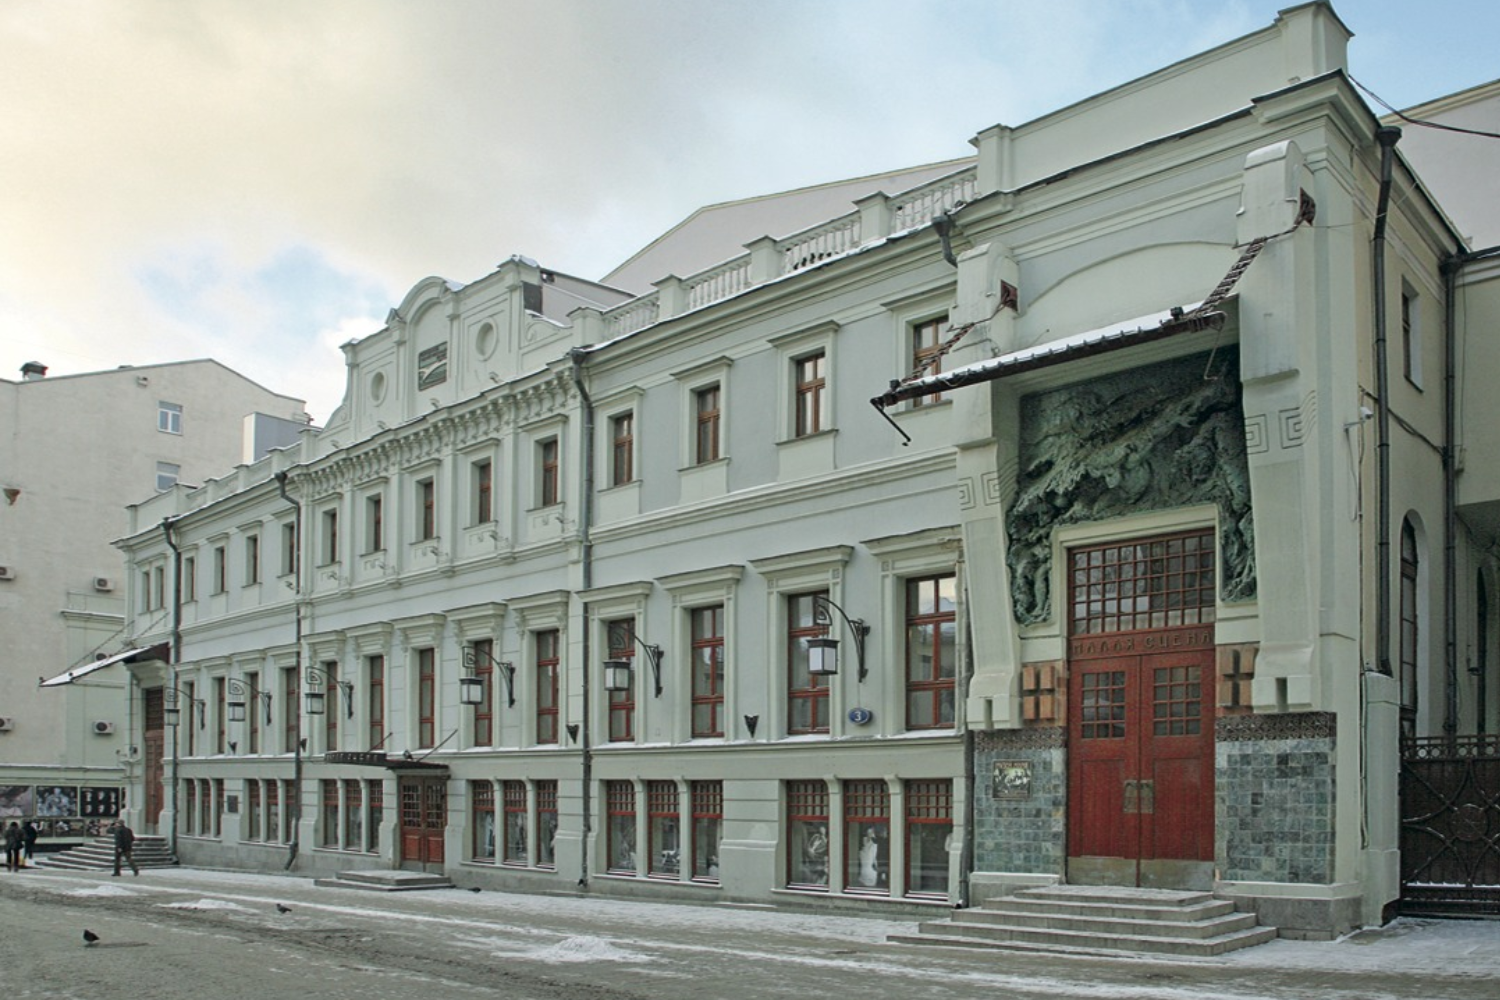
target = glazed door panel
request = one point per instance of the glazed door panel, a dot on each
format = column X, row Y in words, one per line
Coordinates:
column 424, row 806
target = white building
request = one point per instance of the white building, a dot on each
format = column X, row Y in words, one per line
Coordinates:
column 1143, row 586
column 74, row 450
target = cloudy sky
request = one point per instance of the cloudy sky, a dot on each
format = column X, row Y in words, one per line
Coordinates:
column 259, row 181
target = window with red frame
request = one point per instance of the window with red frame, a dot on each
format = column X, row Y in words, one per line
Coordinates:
column 375, row 700
column 867, row 836
column 426, row 697
column 353, row 820
column 663, row 830
column 484, row 712
column 252, row 715
column 708, row 670
column 515, row 822
column 621, row 633
column 331, row 705
column 619, row 807
column 706, row 419
column 252, row 810
column 546, row 823
column 484, row 492
column 330, row 824
column 807, row 693
column 931, row 651
column 426, row 509
column 812, row 394
column 807, row 844
column 547, row 659
column 547, row 473
column 929, row 831
column 482, row 821
column 708, row 828
column 622, row 449
column 291, row 695
column 926, row 354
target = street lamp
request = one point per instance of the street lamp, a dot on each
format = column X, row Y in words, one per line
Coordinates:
column 317, row 684
column 617, row 672
column 237, row 690
column 471, row 686
column 823, row 651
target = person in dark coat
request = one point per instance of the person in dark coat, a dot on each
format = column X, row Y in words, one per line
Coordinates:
column 13, row 842
column 28, row 839
column 124, row 844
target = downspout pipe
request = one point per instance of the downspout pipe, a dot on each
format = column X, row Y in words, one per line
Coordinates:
column 1387, row 136
column 578, row 356
column 296, row 804
column 166, row 530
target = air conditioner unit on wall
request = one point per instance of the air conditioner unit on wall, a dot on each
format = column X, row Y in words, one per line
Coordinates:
column 104, row 728
column 103, row 584
column 7, row 573
column 7, row 724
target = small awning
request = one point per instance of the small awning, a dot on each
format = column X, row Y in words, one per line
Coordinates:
column 160, row 651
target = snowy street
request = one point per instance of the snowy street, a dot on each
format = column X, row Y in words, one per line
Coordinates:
column 190, row 933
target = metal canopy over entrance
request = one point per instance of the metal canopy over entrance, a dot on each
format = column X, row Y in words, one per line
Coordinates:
column 1140, row 712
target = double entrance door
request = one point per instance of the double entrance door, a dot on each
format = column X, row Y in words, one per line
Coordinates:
column 1141, row 716
column 424, row 815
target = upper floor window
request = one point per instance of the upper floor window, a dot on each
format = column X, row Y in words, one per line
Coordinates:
column 330, row 536
column 189, row 578
column 621, row 646
column 483, row 474
column 375, row 699
column 708, row 670
column 375, row 522
column 426, row 697
column 426, row 509
column 547, row 472
column 811, row 394
column 167, row 474
column 1411, row 337
column 622, row 448
column 221, row 570
column 926, row 354
column 484, row 670
column 169, row 417
column 931, row 651
column 288, row 548
column 252, row 559
column 807, row 692
column 706, row 413
column 547, row 659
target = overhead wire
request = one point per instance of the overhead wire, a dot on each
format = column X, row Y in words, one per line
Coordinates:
column 1422, row 122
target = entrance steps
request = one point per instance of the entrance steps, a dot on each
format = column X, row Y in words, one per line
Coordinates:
column 1099, row 920
column 98, row 855
column 386, row 880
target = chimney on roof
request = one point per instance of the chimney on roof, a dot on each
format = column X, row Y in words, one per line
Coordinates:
column 31, row 371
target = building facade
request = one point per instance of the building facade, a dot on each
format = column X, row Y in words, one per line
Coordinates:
column 74, row 450
column 640, row 592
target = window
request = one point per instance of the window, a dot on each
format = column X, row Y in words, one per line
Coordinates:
column 622, row 448
column 929, row 829
column 273, row 811
column 159, row 587
column 807, row 693
column 209, row 802
column 291, row 694
column 190, row 806
column 375, row 522
column 1411, row 338
column 807, row 834
column 482, row 822
column 483, row 474
column 331, row 696
column 166, row 475
column 375, row 699
column 190, row 691
column 330, row 551
column 484, row 713
column 931, row 651
column 426, row 697
column 353, row 828
column 619, row 805
column 708, row 828
column 218, row 807
column 252, row 810
column 169, row 417
column 546, row 458
column 377, row 816
column 663, row 830
column 252, row 713
column 426, row 509
column 221, row 570
column 706, row 414
column 288, row 548
column 546, row 823
column 1409, row 622
column 514, row 793
column 221, row 714
column 145, row 601
column 926, row 354
column 811, row 394
column 867, row 836
column 547, row 659
column 708, row 670
column 621, row 646
column 252, row 560
column 189, row 579
column 331, row 829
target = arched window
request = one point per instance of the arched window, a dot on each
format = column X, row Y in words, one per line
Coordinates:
column 1408, row 669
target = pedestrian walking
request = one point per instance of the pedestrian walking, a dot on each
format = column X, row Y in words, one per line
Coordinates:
column 124, row 845
column 13, row 842
column 28, row 841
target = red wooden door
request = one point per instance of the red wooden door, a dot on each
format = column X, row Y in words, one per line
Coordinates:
column 424, row 808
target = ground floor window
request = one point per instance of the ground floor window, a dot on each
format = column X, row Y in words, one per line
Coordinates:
column 353, row 817
column 546, row 823
column 515, row 822
column 619, row 799
column 929, row 832
column 190, row 807
column 867, row 836
column 252, row 810
column 273, row 811
column 663, row 830
column 330, row 799
column 218, row 807
column 807, row 834
column 377, row 817
column 708, row 828
column 482, row 822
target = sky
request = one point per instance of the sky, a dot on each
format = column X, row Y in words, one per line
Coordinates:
column 260, row 181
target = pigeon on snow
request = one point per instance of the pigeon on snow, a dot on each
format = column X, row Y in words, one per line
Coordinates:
column 89, row 937
column 280, row 908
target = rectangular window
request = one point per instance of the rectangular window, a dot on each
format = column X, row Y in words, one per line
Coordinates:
column 619, row 805
column 375, row 700
column 482, row 794
column 708, row 670
column 167, row 474
column 189, row 579
column 190, row 806
column 1411, row 338
column 708, row 828
column 375, row 522
column 331, row 705
column 807, row 693
column 621, row 646
column 515, row 822
column 288, row 548
column 145, row 601
column 706, row 419
column 353, row 820
column 931, row 651
column 811, row 383
column 622, row 449
column 484, row 713
column 807, row 834
column 546, row 823
column 426, row 509
column 547, row 659
column 926, row 354
column 547, row 485
column 218, row 807
column 159, row 587
column 331, row 831
column 929, row 830
column 663, row 830
column 377, row 816
column 208, row 806
column 867, row 836
column 291, row 699
column 221, row 570
column 330, row 551
column 252, row 810
column 194, row 718
column 288, row 796
column 252, row 713
column 221, row 713
column 252, row 560
column 169, row 417
column 426, row 697
column 483, row 473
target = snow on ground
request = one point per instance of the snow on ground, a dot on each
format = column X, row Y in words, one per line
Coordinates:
column 101, row 890
column 208, row 904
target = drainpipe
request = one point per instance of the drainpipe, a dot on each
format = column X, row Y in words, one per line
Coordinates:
column 176, row 657
column 1387, row 137
column 585, row 522
column 966, row 857
column 295, row 806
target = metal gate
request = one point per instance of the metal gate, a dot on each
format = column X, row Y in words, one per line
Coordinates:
column 1450, row 826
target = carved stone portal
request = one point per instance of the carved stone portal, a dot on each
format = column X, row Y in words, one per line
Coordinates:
column 1146, row 439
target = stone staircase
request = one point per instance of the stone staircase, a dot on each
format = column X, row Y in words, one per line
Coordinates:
column 1100, row 920
column 386, row 880
column 98, row 855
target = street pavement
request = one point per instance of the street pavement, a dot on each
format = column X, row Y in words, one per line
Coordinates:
column 191, row 933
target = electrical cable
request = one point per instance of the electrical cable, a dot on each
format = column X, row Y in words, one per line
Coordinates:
column 1418, row 121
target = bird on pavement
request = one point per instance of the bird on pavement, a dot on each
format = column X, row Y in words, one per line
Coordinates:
column 280, row 908
column 89, row 937
column 474, row 888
